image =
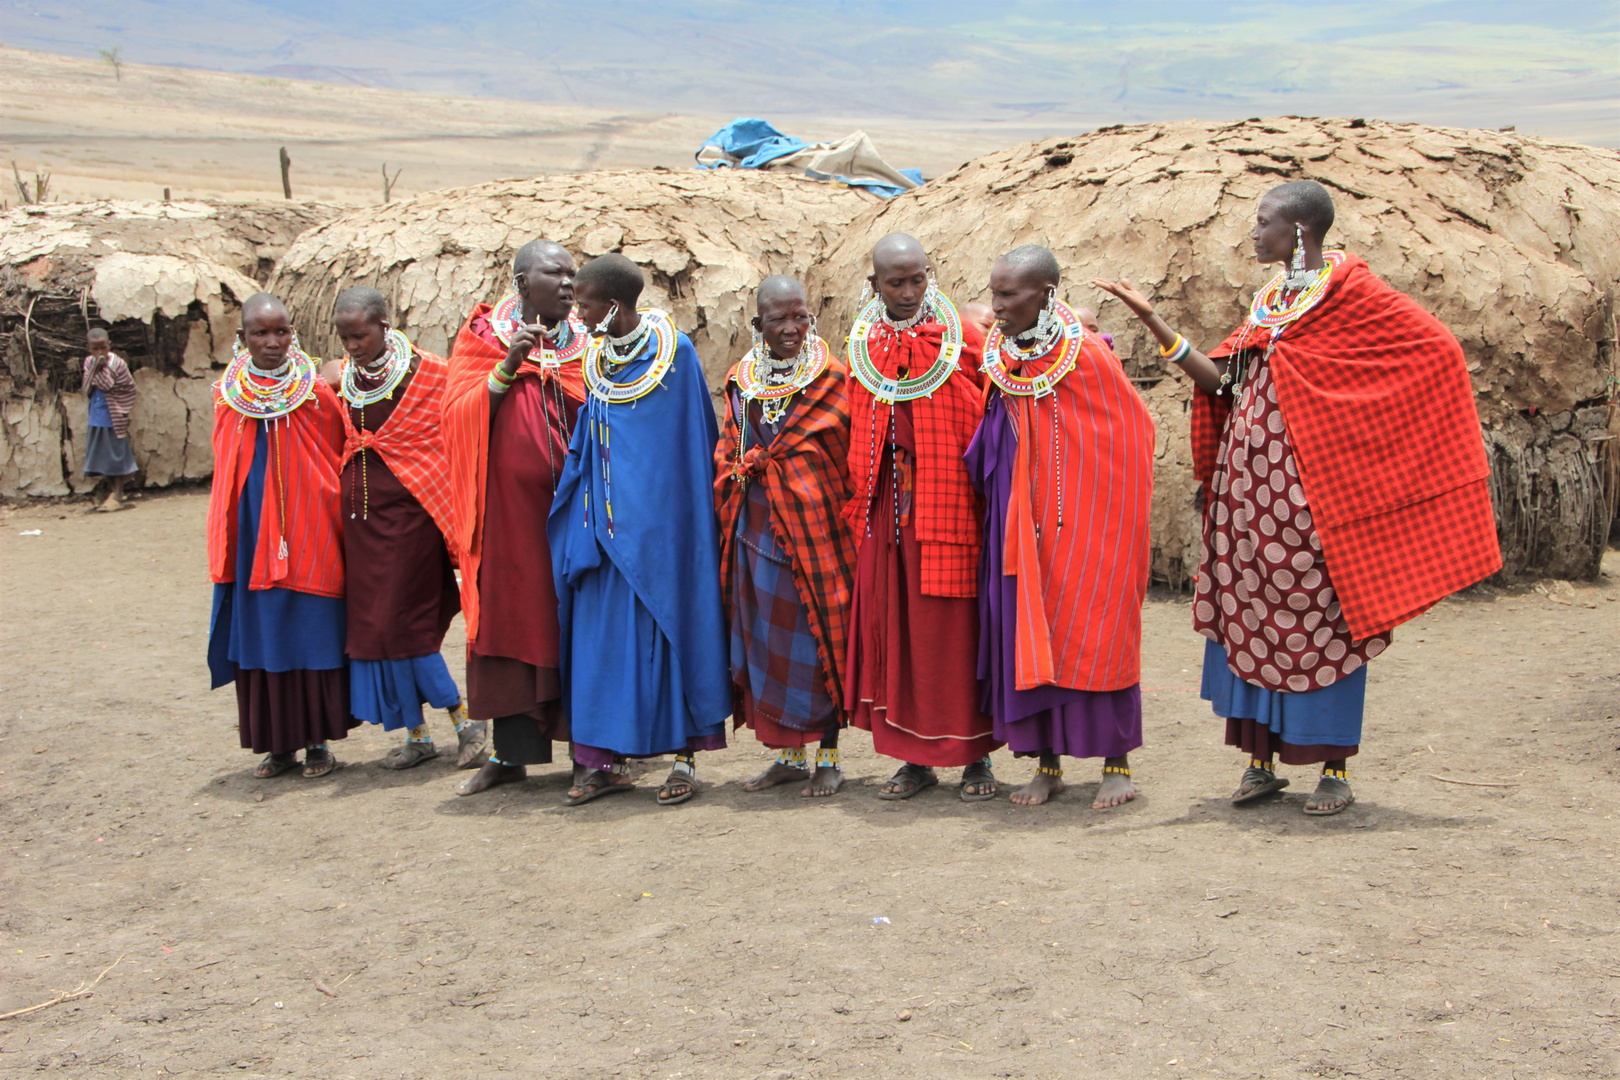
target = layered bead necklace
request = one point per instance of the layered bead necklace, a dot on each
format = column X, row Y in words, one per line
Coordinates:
column 604, row 358
column 389, row 371
column 1056, row 339
column 254, row 394
column 773, row 381
column 775, row 388
column 1283, row 301
column 267, row 395
column 887, row 391
column 561, row 344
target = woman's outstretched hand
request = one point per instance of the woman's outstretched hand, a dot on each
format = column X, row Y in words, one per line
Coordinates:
column 1124, row 290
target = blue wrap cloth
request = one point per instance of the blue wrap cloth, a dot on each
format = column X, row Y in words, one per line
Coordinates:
column 644, row 663
column 1330, row 716
column 750, row 143
column 391, row 692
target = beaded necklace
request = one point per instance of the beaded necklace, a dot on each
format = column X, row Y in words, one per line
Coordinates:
column 758, row 377
column 392, row 368
column 603, row 359
column 887, row 390
column 267, row 395
column 774, row 397
column 1274, row 309
column 506, row 319
column 1062, row 347
column 605, row 356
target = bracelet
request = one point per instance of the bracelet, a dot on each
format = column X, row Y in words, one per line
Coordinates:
column 498, row 386
column 1176, row 353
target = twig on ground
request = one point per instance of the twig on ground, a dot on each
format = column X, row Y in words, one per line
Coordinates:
column 82, row 991
column 1469, row 783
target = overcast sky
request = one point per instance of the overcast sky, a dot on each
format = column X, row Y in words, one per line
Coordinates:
column 1550, row 67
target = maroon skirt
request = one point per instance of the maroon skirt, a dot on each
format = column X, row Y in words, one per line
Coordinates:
column 282, row 712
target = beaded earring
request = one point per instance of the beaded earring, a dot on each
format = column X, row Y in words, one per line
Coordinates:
column 866, row 295
column 1043, row 325
column 607, row 321
column 930, row 300
column 759, row 342
column 1296, row 278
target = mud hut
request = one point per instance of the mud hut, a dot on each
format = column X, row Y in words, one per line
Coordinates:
column 166, row 280
column 704, row 239
column 1514, row 242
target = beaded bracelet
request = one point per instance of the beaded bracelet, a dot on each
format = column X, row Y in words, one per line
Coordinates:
column 499, row 381
column 1176, row 353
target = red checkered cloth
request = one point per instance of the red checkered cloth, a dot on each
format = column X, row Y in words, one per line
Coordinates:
column 1380, row 410
column 116, row 384
column 410, row 441
column 466, row 441
column 806, row 476
column 947, row 511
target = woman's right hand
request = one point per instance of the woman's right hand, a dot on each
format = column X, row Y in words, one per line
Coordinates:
column 1133, row 297
column 522, row 342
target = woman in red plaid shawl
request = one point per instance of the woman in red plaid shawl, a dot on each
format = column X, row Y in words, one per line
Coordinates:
column 914, row 627
column 1352, row 446
column 786, row 555
column 395, row 510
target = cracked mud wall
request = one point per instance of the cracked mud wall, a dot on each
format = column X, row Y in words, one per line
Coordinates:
column 704, row 239
column 166, row 280
column 1513, row 242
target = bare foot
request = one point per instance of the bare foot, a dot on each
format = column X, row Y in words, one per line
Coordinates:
column 491, row 774
column 1116, row 790
column 778, row 773
column 826, row 780
column 1038, row 790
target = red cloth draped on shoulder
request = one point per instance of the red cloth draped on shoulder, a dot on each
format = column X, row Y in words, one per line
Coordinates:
column 411, row 442
column 805, row 471
column 116, row 384
column 302, row 475
column 466, row 441
column 946, row 507
column 1380, row 410
column 1080, row 587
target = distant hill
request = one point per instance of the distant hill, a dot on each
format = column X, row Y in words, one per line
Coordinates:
column 1549, row 68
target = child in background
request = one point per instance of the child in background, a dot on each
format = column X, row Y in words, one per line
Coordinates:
column 111, row 390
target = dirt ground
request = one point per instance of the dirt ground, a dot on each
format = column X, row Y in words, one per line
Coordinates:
column 375, row 925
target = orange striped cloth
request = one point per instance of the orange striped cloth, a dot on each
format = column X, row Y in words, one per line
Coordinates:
column 117, row 384
column 411, row 442
column 302, row 476
column 1080, row 588
column 466, row 442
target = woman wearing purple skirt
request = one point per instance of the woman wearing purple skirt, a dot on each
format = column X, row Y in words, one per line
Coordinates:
column 1064, row 461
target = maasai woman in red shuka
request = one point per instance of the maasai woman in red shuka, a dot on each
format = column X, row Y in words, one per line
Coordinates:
column 1064, row 460
column 1346, row 491
column 396, row 501
column 514, row 390
column 275, row 551
column 787, row 557
column 914, row 627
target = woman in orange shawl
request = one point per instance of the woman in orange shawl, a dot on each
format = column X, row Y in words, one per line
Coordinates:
column 514, row 390
column 1064, row 460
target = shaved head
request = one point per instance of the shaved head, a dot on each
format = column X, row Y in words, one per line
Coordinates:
column 365, row 300
column 1034, row 263
column 776, row 288
column 1305, row 202
column 96, row 333
column 897, row 248
column 534, row 251
column 615, row 277
column 261, row 304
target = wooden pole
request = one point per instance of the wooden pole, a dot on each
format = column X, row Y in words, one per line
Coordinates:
column 286, row 164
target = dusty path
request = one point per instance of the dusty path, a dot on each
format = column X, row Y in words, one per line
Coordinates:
column 1435, row 930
